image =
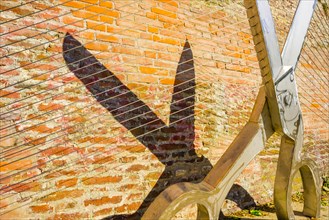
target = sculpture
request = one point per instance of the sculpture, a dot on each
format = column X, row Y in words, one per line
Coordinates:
column 276, row 109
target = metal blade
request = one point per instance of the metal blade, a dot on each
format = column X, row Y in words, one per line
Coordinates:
column 297, row 32
column 270, row 39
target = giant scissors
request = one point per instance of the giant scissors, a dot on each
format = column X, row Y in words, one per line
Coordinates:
column 276, row 109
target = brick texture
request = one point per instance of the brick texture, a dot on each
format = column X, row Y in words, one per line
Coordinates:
column 63, row 153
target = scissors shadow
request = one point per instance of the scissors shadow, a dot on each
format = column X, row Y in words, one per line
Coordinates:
column 172, row 144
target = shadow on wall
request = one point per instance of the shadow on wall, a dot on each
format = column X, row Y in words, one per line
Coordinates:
column 173, row 145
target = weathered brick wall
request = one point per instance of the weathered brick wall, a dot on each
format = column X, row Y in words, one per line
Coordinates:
column 66, row 154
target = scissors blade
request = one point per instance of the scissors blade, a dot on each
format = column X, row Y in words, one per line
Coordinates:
column 270, row 38
column 297, row 32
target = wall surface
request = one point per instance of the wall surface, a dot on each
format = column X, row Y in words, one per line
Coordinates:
column 106, row 103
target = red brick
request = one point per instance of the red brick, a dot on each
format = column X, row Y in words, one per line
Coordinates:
column 232, row 54
column 164, row 64
column 49, row 106
column 170, row 57
column 153, row 29
column 220, row 65
column 232, row 48
column 163, row 12
column 128, row 207
column 98, row 26
column 3, row 7
column 21, row 11
column 43, row 128
column 107, row 38
column 41, row 208
column 238, row 68
column 73, row 21
column 35, row 140
column 126, row 23
column 10, row 94
column 142, row 78
column 151, row 15
column 244, row 35
column 252, row 58
column 74, row 4
column 42, row 77
column 101, row 180
column 307, row 65
column 106, row 19
column 105, row 211
column 247, row 51
column 98, row 9
column 17, row 165
column 86, row 15
column 103, row 160
column 24, row 187
column 134, row 149
column 8, row 141
column 124, row 50
column 63, row 194
column 147, row 70
column 58, row 150
column 103, row 200
column 91, row 1
column 170, row 21
column 153, row 176
column 130, row 33
column 58, row 163
column 6, row 61
column 174, row 34
column 135, row 196
column 127, row 159
column 137, row 167
column 167, row 81
column 150, row 54
column 114, row 30
column 106, row 4
column 97, row 46
column 128, row 41
column 86, row 35
column 156, row 38
column 167, row 40
column 114, row 14
column 71, row 216
column 170, row 2
column 66, row 183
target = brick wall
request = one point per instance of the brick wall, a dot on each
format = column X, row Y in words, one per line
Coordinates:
column 190, row 69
